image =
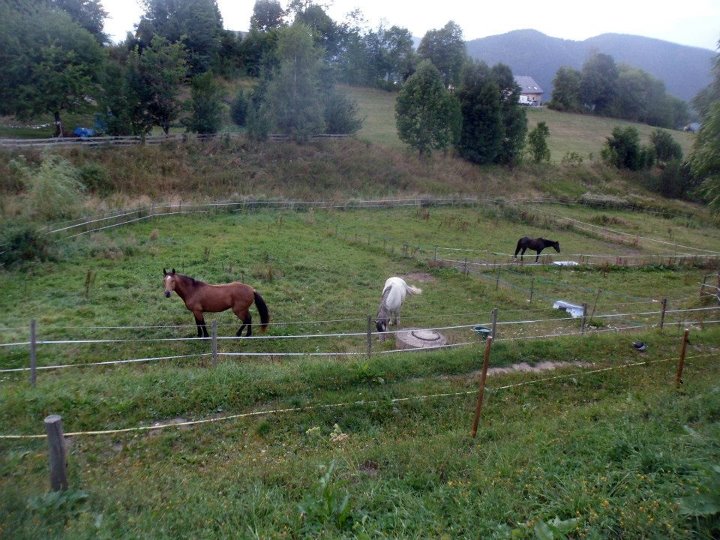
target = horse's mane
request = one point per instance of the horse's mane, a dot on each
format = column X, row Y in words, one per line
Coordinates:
column 192, row 281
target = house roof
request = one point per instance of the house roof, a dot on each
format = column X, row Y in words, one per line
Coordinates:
column 528, row 85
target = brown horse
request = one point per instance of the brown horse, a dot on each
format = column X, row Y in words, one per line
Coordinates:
column 200, row 297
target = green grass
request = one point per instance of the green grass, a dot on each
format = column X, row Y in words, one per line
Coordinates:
column 569, row 132
column 607, row 454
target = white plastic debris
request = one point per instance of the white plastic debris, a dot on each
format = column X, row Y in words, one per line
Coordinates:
column 574, row 310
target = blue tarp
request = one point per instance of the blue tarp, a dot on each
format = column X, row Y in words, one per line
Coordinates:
column 83, row 132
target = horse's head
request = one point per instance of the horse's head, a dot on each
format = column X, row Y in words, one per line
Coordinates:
column 556, row 245
column 169, row 281
column 382, row 324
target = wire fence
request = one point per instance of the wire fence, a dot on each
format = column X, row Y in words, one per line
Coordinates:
column 50, row 348
column 158, row 426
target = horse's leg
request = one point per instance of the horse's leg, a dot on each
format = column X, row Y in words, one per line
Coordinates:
column 244, row 316
column 200, row 323
column 247, row 321
column 538, row 255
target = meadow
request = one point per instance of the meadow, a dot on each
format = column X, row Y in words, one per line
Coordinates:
column 314, row 431
column 355, row 449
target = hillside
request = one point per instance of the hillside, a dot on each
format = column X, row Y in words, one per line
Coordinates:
column 569, row 132
column 684, row 70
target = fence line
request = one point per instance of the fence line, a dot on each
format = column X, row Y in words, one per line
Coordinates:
column 311, row 407
column 363, row 353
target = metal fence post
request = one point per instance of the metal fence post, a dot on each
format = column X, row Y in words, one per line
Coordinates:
column 494, row 315
column 662, row 313
column 369, row 336
column 33, row 352
column 214, row 344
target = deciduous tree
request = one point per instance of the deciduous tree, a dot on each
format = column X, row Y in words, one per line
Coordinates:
column 445, row 48
column 427, row 116
column 48, row 63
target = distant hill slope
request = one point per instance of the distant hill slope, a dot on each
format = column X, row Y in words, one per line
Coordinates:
column 684, row 70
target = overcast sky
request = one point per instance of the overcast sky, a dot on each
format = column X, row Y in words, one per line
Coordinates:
column 690, row 22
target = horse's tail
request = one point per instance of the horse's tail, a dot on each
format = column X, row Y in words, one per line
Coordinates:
column 263, row 310
column 518, row 247
column 412, row 290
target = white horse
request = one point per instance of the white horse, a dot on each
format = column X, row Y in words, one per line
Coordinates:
column 393, row 295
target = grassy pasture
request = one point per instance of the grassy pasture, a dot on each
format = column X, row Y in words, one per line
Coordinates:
column 569, row 132
column 582, row 450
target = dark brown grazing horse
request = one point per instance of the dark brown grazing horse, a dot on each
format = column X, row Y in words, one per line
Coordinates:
column 536, row 244
column 200, row 297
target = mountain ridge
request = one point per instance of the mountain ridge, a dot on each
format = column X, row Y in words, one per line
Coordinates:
column 684, row 70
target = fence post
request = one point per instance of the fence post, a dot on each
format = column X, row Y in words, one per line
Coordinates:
column 497, row 278
column 584, row 319
column 465, row 271
column 702, row 287
column 662, row 313
column 532, row 288
column 33, row 352
column 56, row 448
column 481, row 391
column 369, row 336
column 494, row 315
column 214, row 343
column 681, row 362
column 435, row 257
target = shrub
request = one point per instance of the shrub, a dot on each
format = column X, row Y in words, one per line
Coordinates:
column 22, row 242
column 239, row 109
column 341, row 115
column 53, row 190
column 95, row 178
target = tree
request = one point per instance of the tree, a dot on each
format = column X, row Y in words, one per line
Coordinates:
column 705, row 159
column 445, row 48
column 89, row 14
column 512, row 114
column 267, row 15
column 150, row 89
column 426, row 114
column 206, row 104
column 196, row 24
column 622, row 149
column 481, row 133
column 666, row 148
column 294, row 92
column 537, row 143
column 48, row 63
column 566, row 90
column 598, row 87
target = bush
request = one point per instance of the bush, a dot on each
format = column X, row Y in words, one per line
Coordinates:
column 53, row 190
column 239, row 109
column 341, row 115
column 95, row 178
column 622, row 149
column 22, row 242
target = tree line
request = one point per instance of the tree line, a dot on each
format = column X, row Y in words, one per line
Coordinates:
column 55, row 58
column 620, row 91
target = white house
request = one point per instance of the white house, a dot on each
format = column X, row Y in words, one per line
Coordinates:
column 530, row 92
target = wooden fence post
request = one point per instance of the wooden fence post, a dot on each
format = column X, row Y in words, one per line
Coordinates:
column 681, row 362
column 56, row 448
column 584, row 319
column 497, row 279
column 662, row 313
column 33, row 352
column 494, row 316
column 214, row 343
column 481, row 390
column 369, row 336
